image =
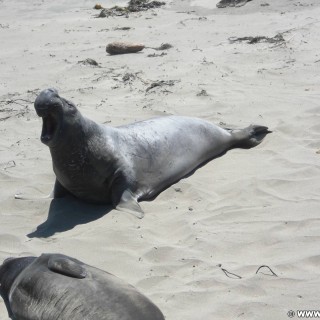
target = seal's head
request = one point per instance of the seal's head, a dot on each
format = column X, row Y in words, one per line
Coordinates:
column 9, row 271
column 54, row 111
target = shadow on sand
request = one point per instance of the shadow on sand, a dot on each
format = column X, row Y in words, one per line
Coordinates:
column 66, row 213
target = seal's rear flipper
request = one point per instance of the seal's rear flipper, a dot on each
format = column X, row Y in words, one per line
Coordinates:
column 66, row 266
column 129, row 204
column 249, row 137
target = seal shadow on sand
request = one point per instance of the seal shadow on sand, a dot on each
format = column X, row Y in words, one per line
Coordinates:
column 66, row 213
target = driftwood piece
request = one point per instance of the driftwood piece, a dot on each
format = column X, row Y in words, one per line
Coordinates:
column 124, row 47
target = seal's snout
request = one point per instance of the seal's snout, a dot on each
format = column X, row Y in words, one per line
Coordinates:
column 46, row 100
column 7, row 260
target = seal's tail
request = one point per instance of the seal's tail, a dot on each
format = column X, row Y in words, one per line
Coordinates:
column 249, row 137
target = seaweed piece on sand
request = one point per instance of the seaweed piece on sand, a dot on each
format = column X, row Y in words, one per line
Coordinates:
column 278, row 38
column 133, row 6
column 231, row 3
column 143, row 5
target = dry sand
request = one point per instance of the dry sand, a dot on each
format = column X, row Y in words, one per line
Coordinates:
column 246, row 209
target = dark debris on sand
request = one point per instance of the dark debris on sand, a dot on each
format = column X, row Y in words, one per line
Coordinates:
column 129, row 77
column 133, row 6
column 202, row 93
column 278, row 38
column 164, row 46
column 143, row 5
column 154, row 55
column 90, row 62
column 14, row 107
column 231, row 3
column 122, row 28
column 160, row 84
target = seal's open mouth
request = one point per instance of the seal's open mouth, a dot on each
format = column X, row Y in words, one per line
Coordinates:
column 49, row 128
column 50, row 107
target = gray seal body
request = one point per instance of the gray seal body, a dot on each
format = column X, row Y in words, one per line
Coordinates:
column 55, row 286
column 126, row 164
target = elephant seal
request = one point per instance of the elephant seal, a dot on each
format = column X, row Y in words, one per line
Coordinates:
column 55, row 286
column 126, row 164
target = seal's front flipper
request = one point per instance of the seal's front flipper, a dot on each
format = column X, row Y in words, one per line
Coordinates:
column 67, row 267
column 58, row 192
column 129, row 204
column 22, row 197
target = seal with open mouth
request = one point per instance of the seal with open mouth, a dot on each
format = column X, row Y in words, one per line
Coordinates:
column 126, row 164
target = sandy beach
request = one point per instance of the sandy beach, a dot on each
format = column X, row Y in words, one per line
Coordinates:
column 197, row 252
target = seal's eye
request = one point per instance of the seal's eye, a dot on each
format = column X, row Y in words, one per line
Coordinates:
column 70, row 105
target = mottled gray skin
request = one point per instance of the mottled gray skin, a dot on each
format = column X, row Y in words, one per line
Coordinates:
column 55, row 286
column 127, row 164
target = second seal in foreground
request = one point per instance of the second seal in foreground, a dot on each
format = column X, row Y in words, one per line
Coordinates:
column 55, row 286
